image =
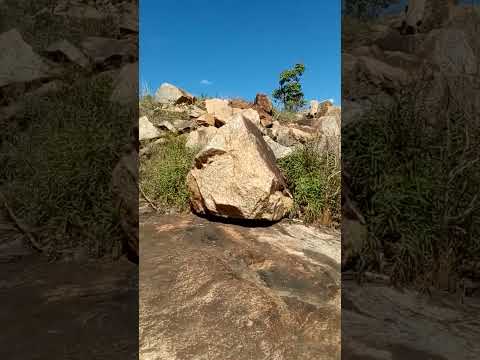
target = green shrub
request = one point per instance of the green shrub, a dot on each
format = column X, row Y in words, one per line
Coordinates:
column 314, row 179
column 162, row 176
column 57, row 162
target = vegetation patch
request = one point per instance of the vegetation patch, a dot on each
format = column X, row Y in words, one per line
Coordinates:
column 314, row 178
column 57, row 162
column 417, row 186
column 163, row 174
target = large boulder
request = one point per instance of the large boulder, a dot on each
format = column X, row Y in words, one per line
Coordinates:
column 65, row 49
column 101, row 50
column 279, row 150
column 263, row 102
column 170, row 94
column 125, row 86
column 220, row 109
column 147, row 130
column 18, row 62
column 201, row 137
column 235, row 176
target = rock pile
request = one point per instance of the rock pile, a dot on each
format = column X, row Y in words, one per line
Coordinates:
column 238, row 143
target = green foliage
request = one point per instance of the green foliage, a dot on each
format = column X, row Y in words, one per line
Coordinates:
column 314, row 178
column 290, row 91
column 162, row 176
column 57, row 162
column 417, row 186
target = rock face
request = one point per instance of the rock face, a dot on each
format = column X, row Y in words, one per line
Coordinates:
column 147, row 130
column 220, row 109
column 101, row 49
column 71, row 52
column 263, row 102
column 170, row 94
column 200, row 137
column 18, row 62
column 125, row 89
column 235, row 176
column 220, row 291
column 125, row 188
column 279, row 150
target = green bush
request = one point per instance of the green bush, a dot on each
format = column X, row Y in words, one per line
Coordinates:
column 315, row 181
column 162, row 176
column 417, row 186
column 57, row 162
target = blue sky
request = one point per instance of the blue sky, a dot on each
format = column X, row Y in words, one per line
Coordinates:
column 236, row 48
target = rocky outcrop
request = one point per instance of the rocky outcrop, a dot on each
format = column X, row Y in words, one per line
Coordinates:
column 64, row 49
column 220, row 291
column 101, row 50
column 125, row 86
column 279, row 150
column 147, row 130
column 18, row 62
column 235, row 176
column 220, row 109
column 201, row 137
column 170, row 94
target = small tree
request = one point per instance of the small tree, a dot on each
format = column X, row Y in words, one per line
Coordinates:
column 290, row 91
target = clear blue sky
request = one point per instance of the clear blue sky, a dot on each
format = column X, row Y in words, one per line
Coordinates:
column 236, row 48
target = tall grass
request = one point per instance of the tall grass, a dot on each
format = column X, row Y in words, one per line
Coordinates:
column 417, row 186
column 314, row 178
column 162, row 176
column 57, row 162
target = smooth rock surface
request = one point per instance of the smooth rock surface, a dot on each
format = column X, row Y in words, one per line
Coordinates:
column 228, row 292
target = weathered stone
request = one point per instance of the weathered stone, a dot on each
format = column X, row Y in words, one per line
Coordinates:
column 194, row 111
column 18, row 62
column 206, row 120
column 210, row 290
column 71, row 52
column 291, row 135
column 125, row 87
column 329, row 125
column 77, row 10
column 263, row 102
column 240, row 104
column 125, row 189
column 279, row 150
column 101, row 49
column 314, row 104
column 235, row 176
column 451, row 51
column 170, row 94
column 354, row 237
column 201, row 137
column 147, row 130
column 167, row 125
column 220, row 109
column 183, row 126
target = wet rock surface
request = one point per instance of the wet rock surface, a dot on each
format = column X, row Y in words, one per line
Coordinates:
column 213, row 290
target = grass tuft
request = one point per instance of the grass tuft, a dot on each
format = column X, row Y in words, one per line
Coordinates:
column 162, row 176
column 314, row 178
